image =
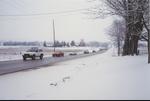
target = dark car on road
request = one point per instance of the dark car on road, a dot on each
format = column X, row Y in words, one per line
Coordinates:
column 58, row 54
column 86, row 52
column 73, row 53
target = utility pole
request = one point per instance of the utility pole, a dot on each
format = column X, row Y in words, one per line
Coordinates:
column 148, row 31
column 54, row 34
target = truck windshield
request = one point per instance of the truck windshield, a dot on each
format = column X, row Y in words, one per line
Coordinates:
column 32, row 50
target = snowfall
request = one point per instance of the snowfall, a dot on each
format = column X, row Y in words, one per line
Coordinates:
column 99, row 77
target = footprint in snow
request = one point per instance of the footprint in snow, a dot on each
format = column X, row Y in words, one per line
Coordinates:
column 66, row 78
column 53, row 84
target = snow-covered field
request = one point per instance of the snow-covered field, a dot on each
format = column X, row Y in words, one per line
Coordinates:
column 97, row 77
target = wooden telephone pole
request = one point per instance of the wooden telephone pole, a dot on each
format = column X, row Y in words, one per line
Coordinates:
column 54, row 35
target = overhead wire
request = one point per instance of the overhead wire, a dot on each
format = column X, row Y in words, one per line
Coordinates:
column 16, row 4
column 48, row 13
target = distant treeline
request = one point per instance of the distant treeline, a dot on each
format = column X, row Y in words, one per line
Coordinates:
column 82, row 43
column 10, row 43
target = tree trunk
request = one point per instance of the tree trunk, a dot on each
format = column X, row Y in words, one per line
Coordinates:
column 119, row 48
column 136, row 51
column 126, row 46
column 127, row 42
column 126, row 49
column 134, row 45
column 148, row 47
column 148, row 30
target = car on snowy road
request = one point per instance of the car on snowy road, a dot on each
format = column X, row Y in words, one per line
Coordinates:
column 33, row 53
column 73, row 53
column 86, row 52
column 58, row 54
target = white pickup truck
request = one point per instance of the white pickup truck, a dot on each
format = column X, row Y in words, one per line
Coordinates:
column 33, row 53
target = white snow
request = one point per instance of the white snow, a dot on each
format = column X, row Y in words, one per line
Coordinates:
column 97, row 77
column 6, row 57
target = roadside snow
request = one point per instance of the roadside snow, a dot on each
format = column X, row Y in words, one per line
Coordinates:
column 4, row 57
column 97, row 77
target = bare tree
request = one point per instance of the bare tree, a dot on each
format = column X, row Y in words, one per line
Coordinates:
column 73, row 43
column 116, row 33
column 136, row 16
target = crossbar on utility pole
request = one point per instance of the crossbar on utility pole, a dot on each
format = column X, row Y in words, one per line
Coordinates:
column 54, row 34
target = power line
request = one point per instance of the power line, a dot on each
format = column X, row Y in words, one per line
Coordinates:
column 49, row 13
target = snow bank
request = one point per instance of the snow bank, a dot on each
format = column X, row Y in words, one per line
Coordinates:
column 97, row 77
column 4, row 57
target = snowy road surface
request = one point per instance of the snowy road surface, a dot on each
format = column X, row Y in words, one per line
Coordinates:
column 19, row 65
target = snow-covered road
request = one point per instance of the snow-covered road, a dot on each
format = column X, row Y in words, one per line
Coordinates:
column 98, row 77
column 7, row 67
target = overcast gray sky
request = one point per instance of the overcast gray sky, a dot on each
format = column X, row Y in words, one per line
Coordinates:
column 69, row 26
